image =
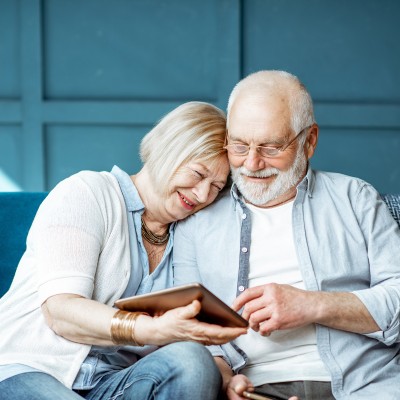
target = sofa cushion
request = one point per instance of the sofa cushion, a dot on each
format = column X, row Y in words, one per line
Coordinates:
column 393, row 203
column 17, row 210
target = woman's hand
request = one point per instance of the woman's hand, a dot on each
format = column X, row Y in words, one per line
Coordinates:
column 180, row 324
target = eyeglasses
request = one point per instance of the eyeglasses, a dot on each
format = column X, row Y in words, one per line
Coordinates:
column 238, row 149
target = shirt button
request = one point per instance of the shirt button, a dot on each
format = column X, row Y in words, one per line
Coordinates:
column 241, row 288
column 244, row 249
column 244, row 216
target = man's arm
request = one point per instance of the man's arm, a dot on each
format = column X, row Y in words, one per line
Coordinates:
column 372, row 311
column 274, row 307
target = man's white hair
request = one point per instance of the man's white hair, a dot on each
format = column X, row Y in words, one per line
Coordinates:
column 263, row 83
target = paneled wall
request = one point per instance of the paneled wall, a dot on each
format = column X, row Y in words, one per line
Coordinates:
column 81, row 81
column 348, row 55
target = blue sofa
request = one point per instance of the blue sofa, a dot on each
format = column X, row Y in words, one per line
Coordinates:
column 18, row 209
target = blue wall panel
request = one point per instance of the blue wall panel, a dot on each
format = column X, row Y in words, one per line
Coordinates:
column 10, row 152
column 144, row 50
column 343, row 50
column 9, row 49
column 98, row 74
column 83, row 80
column 348, row 55
column 91, row 147
column 370, row 154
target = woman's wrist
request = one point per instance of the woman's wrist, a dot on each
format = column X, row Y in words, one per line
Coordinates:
column 122, row 330
column 152, row 331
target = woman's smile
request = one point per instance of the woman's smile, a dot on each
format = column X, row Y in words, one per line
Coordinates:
column 186, row 202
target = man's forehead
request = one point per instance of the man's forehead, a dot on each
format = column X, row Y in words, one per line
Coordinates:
column 260, row 109
column 259, row 120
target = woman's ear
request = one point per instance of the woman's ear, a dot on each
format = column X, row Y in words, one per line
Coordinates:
column 311, row 141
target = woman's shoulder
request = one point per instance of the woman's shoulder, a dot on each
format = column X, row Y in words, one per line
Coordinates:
column 93, row 179
column 85, row 190
column 88, row 181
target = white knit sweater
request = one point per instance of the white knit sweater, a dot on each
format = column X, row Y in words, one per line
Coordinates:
column 78, row 243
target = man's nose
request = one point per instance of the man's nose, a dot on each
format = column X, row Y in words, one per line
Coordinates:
column 254, row 161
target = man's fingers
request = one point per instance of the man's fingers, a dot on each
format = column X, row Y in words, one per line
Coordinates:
column 246, row 296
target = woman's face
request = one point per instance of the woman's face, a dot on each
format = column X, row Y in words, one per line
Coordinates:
column 195, row 185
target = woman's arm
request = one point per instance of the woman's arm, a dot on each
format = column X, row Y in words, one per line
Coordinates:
column 86, row 321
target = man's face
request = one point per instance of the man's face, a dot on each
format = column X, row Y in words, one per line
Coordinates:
column 264, row 122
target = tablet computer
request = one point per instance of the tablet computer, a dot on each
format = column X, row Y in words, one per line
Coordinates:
column 213, row 310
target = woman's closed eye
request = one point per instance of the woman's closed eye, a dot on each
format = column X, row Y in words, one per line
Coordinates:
column 198, row 173
column 217, row 186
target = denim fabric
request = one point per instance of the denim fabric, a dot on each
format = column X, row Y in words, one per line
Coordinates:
column 346, row 240
column 178, row 371
column 35, row 386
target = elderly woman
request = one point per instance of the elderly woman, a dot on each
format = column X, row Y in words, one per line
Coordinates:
column 102, row 236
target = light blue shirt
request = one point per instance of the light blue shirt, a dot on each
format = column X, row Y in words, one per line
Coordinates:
column 346, row 240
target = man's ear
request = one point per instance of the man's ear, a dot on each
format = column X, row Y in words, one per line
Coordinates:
column 311, row 141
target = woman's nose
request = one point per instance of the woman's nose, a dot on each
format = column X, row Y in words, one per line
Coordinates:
column 201, row 191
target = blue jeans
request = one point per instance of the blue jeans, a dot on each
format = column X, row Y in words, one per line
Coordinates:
column 177, row 371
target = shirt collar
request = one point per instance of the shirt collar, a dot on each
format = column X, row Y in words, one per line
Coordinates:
column 308, row 182
column 131, row 195
column 237, row 196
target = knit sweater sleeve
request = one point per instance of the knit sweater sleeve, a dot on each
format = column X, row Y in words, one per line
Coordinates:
column 67, row 237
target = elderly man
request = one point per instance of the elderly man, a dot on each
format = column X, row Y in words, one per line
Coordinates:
column 311, row 258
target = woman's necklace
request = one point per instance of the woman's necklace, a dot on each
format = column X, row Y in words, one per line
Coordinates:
column 152, row 238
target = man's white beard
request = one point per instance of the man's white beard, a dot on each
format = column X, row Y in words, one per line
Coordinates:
column 261, row 193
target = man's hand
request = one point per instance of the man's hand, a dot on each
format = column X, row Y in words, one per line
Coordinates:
column 240, row 383
column 274, row 307
column 237, row 385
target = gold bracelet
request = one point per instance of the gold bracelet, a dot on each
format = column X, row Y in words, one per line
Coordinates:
column 123, row 327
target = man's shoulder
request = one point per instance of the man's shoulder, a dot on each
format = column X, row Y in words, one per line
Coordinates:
column 222, row 207
column 224, row 201
column 337, row 180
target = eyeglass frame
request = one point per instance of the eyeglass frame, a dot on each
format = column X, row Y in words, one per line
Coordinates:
column 259, row 149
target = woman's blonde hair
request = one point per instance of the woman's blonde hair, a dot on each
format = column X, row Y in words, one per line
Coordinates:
column 194, row 130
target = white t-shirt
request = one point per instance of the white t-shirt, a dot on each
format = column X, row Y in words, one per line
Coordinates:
column 285, row 355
